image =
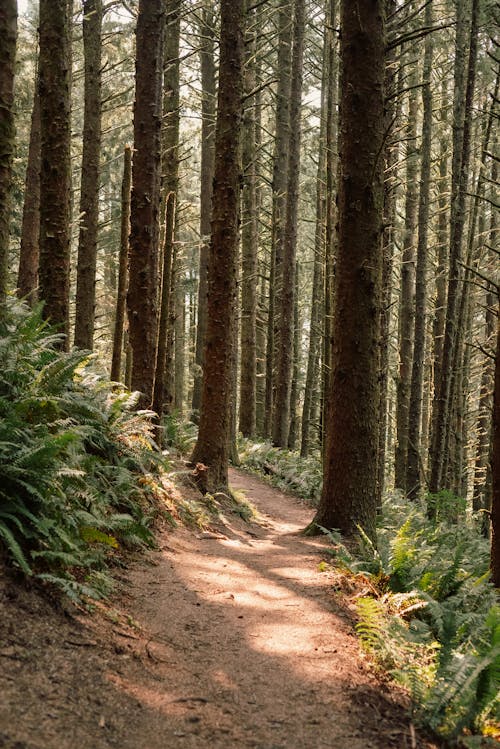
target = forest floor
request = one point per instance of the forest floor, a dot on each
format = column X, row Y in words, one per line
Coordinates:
column 224, row 638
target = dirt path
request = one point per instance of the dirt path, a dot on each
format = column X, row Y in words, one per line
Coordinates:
column 239, row 643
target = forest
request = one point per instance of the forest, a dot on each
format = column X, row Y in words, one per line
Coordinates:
column 251, row 247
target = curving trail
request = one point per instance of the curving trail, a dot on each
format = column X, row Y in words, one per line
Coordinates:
column 223, row 639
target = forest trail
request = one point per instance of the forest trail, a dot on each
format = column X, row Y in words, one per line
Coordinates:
column 225, row 639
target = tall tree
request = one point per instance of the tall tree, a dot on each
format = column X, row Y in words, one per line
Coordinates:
column 465, row 49
column 211, row 448
column 143, row 292
column 413, row 467
column 350, row 466
column 55, row 168
column 208, row 106
column 27, row 278
column 121, row 297
column 8, row 37
column 495, row 470
column 280, row 162
column 249, row 239
column 89, row 193
column 285, row 310
column 170, row 170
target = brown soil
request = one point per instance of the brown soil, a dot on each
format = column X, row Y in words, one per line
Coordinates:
column 226, row 638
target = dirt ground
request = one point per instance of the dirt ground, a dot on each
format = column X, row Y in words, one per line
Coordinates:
column 223, row 638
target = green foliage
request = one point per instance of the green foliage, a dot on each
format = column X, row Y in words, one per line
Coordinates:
column 435, row 623
column 73, row 453
column 283, row 468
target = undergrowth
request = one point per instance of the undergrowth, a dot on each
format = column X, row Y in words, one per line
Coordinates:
column 428, row 613
column 76, row 460
column 283, row 468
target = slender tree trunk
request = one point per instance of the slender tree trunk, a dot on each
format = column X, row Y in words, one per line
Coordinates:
column 212, row 447
column 208, row 102
column 280, row 162
column 8, row 37
column 55, row 170
column 249, row 239
column 89, row 196
column 143, row 292
column 460, row 170
column 179, row 343
column 442, row 244
column 393, row 85
column 407, row 296
column 170, row 186
column 495, row 469
column 284, row 343
column 27, row 279
column 294, row 392
column 332, row 166
column 350, row 466
column 121, row 297
column 319, row 248
column 414, row 452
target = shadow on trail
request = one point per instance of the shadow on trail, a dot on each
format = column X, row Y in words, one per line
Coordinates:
column 248, row 649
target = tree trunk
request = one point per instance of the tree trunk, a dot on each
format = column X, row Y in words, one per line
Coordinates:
column 414, row 452
column 142, row 298
column 495, row 470
column 8, row 36
column 319, row 247
column 208, row 102
column 121, row 297
column 55, row 169
column 27, row 279
column 350, row 466
column 249, row 239
column 294, row 392
column 462, row 116
column 407, row 296
column 280, row 162
column 212, row 445
column 284, row 343
column 170, row 186
column 89, row 196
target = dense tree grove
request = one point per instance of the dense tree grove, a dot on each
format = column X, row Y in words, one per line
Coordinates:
column 301, row 240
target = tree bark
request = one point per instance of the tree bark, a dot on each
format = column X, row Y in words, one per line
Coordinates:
column 170, row 186
column 208, row 106
column 212, row 446
column 280, row 162
column 414, row 460
column 407, row 296
column 121, row 297
column 27, row 279
column 249, row 239
column 89, row 195
column 460, row 169
column 143, row 292
column 495, row 470
column 350, row 466
column 286, row 281
column 8, row 37
column 55, row 169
